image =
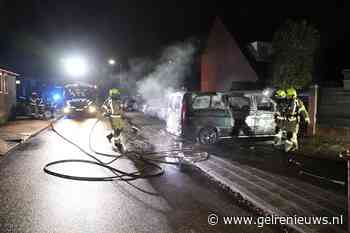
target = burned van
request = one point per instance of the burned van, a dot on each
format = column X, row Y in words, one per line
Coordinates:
column 200, row 115
column 210, row 116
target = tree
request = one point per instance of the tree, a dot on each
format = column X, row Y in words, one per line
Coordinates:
column 294, row 46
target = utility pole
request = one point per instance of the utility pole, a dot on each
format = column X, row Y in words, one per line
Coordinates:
column 313, row 98
column 346, row 156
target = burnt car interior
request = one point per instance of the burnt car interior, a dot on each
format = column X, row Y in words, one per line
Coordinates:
column 238, row 103
column 208, row 101
column 265, row 104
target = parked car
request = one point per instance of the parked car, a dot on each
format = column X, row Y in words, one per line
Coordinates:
column 210, row 116
column 24, row 107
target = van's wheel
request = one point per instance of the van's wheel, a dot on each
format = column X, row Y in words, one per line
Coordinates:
column 208, row 136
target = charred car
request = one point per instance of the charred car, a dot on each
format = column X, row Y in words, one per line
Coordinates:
column 210, row 116
column 80, row 100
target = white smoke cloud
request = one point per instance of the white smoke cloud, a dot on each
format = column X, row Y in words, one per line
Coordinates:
column 167, row 77
column 138, row 69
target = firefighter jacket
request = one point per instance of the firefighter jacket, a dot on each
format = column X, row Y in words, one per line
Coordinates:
column 114, row 108
column 35, row 101
column 296, row 111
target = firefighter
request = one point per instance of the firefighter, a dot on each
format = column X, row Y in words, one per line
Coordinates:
column 296, row 112
column 280, row 116
column 35, row 102
column 113, row 107
column 240, row 118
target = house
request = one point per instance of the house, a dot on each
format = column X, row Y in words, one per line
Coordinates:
column 7, row 94
column 226, row 66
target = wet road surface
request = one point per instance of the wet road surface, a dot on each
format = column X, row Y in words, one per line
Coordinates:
column 262, row 154
column 33, row 201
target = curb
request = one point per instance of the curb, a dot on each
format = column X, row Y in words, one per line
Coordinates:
column 31, row 136
column 245, row 198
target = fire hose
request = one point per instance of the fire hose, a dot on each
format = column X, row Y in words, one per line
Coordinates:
column 149, row 160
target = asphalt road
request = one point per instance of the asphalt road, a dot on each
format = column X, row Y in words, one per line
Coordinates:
column 33, row 201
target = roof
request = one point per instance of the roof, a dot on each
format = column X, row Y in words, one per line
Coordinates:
column 227, row 58
column 8, row 72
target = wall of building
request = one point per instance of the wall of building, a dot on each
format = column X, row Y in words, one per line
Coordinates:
column 223, row 62
column 7, row 96
column 333, row 107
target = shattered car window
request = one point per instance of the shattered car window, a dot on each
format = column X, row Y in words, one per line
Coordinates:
column 238, row 103
column 265, row 104
column 217, row 102
column 201, row 102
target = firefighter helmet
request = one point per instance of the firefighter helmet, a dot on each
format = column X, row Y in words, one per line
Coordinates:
column 114, row 93
column 291, row 93
column 280, row 93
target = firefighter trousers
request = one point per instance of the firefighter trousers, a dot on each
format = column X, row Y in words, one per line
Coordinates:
column 117, row 123
column 292, row 136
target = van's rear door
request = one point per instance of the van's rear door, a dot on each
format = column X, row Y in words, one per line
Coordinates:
column 264, row 119
column 238, row 104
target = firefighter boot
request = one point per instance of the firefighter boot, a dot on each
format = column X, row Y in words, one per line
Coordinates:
column 288, row 145
column 118, row 140
column 278, row 138
column 291, row 145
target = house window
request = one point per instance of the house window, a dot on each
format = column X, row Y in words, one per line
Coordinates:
column 1, row 84
column 5, row 85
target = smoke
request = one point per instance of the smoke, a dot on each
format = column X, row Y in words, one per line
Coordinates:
column 167, row 77
column 153, row 80
column 138, row 68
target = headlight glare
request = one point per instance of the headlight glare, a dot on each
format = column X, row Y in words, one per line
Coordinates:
column 92, row 109
column 66, row 110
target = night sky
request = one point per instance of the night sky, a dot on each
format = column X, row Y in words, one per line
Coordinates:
column 36, row 34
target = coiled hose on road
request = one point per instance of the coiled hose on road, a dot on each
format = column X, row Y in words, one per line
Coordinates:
column 150, row 167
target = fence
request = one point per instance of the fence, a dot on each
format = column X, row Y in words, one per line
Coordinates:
column 334, row 107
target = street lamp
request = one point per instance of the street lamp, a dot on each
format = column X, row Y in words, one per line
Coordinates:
column 111, row 62
column 75, row 66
